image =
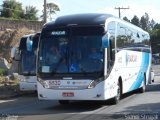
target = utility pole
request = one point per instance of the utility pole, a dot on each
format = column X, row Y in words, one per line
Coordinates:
column 119, row 10
column 45, row 11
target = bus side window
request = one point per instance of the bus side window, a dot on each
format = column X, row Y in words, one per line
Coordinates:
column 111, row 29
column 111, row 54
column 111, row 49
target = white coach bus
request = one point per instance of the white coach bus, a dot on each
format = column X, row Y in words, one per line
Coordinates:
column 92, row 57
column 27, row 61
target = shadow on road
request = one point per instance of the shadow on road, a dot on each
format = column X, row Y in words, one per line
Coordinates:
column 142, row 108
column 30, row 105
column 76, row 107
column 153, row 87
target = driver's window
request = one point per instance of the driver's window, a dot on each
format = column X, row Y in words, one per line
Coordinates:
column 111, row 31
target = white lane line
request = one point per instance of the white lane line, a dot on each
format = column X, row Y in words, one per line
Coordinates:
column 3, row 101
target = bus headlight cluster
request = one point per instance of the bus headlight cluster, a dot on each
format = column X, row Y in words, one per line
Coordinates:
column 95, row 82
column 23, row 80
column 43, row 83
column 92, row 84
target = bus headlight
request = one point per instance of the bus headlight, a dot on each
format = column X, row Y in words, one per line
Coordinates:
column 43, row 83
column 95, row 82
column 23, row 80
column 92, row 84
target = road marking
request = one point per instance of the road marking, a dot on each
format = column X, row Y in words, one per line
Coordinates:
column 3, row 101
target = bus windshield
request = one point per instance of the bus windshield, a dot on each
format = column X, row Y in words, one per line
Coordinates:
column 71, row 50
column 28, row 62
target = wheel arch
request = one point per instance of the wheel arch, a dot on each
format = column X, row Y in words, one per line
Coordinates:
column 121, row 84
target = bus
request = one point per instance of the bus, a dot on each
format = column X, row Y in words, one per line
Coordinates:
column 27, row 61
column 92, row 57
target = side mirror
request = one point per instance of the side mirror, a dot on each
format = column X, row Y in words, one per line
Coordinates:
column 13, row 52
column 105, row 41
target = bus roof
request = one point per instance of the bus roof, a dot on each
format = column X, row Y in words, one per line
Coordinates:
column 86, row 19
column 79, row 19
column 22, row 44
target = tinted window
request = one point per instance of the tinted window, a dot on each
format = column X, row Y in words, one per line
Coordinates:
column 130, row 38
column 111, row 29
column 72, row 50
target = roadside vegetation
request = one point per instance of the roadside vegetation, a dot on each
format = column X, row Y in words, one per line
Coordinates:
column 7, row 80
column 9, row 85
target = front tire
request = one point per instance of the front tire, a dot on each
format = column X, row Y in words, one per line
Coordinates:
column 117, row 98
column 143, row 88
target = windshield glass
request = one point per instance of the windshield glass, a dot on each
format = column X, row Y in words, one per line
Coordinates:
column 28, row 62
column 74, row 50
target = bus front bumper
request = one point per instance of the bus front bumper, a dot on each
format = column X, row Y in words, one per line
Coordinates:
column 96, row 93
column 28, row 86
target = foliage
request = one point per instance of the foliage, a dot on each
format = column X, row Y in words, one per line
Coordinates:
column 13, row 9
column 126, row 19
column 152, row 24
column 155, row 32
column 155, row 37
column 2, row 71
column 144, row 22
column 51, row 10
column 157, row 26
column 30, row 13
column 135, row 21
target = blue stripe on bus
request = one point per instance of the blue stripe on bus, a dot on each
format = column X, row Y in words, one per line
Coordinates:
column 140, row 76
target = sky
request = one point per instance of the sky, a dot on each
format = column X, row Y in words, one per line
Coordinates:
column 136, row 7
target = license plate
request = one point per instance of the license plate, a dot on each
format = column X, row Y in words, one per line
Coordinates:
column 68, row 94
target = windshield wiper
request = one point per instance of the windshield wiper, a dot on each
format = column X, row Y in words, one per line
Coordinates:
column 28, row 73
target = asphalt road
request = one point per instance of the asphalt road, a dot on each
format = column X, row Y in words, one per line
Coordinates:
column 145, row 106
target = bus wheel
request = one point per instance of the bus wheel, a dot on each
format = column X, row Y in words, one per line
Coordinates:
column 116, row 99
column 64, row 102
column 143, row 88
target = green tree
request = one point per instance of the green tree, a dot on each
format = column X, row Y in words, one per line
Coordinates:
column 155, row 37
column 30, row 13
column 51, row 9
column 11, row 9
column 135, row 21
column 144, row 22
column 155, row 32
column 157, row 26
column 152, row 24
column 126, row 19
